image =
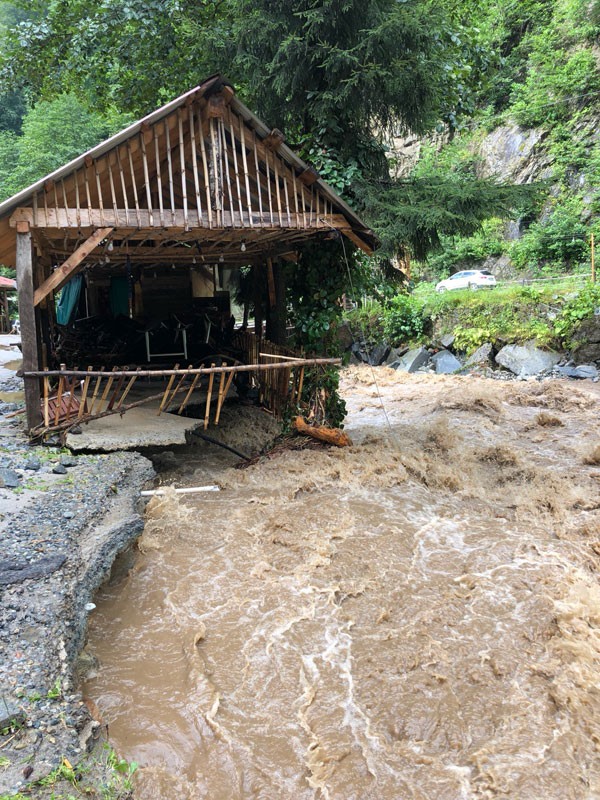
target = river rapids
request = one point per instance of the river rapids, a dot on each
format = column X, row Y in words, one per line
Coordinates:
column 416, row 617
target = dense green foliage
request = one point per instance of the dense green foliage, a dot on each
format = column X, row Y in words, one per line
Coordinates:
column 511, row 314
column 337, row 76
column 544, row 75
column 53, row 132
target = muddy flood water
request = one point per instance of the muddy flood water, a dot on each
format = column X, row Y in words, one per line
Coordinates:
column 414, row 617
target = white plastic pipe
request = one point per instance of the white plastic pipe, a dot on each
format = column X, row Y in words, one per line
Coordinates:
column 186, row 490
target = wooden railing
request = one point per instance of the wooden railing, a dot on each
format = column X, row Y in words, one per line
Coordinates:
column 72, row 396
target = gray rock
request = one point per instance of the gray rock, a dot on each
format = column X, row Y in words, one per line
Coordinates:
column 33, row 464
column 445, row 363
column 414, row 360
column 586, row 371
column 527, row 359
column 587, row 341
column 359, row 349
column 378, row 354
column 396, row 354
column 9, row 478
column 59, row 469
column 565, row 372
column 482, row 357
column 68, row 461
column 395, row 364
column 447, row 340
column 581, row 372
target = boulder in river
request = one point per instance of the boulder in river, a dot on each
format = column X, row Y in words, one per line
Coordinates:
column 482, row 357
column 581, row 372
column 414, row 360
column 526, row 359
column 445, row 362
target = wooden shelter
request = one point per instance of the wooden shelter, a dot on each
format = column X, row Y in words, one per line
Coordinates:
column 169, row 206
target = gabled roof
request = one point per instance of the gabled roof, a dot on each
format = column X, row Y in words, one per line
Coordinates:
column 200, row 166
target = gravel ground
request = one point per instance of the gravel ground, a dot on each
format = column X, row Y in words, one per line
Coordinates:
column 63, row 520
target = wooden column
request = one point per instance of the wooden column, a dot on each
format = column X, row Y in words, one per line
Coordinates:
column 258, row 285
column 277, row 313
column 27, row 318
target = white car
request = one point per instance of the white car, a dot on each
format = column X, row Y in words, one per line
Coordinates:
column 468, row 279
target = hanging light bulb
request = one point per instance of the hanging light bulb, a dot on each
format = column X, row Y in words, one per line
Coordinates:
column 110, row 246
column 221, row 258
column 243, row 246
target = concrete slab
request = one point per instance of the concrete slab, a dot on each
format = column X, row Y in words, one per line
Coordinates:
column 138, row 427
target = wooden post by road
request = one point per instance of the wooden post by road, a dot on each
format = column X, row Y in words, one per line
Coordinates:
column 27, row 319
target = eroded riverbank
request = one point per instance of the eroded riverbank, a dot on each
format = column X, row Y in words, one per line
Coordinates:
column 416, row 616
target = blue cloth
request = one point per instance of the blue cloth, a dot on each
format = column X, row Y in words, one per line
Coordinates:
column 69, row 300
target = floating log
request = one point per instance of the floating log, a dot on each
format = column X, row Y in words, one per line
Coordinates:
column 329, row 435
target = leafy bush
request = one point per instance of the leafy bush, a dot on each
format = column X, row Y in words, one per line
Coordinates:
column 367, row 322
column 468, row 339
column 404, row 319
column 576, row 309
column 558, row 240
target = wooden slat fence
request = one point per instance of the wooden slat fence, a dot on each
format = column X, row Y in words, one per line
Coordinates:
column 70, row 397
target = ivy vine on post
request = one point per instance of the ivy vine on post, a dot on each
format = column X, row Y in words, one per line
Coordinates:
column 314, row 290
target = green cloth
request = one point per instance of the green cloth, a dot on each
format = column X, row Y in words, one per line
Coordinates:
column 119, row 296
column 68, row 300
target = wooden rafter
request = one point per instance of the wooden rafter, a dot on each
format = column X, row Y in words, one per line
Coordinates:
column 66, row 271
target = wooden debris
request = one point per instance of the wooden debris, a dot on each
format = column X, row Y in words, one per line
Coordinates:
column 330, row 435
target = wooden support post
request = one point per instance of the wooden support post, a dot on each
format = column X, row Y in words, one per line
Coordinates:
column 167, row 394
column 300, row 385
column 59, row 394
column 271, row 283
column 29, row 338
column 96, row 389
column 208, row 398
column 215, row 173
column 223, row 395
column 258, row 294
column 46, row 406
column 84, row 393
column 189, row 393
column 277, row 314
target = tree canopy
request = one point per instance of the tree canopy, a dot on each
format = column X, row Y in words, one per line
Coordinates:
column 337, row 76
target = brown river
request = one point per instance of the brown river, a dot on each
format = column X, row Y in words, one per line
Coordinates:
column 416, row 617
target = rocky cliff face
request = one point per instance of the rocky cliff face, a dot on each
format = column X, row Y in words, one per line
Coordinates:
column 514, row 155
